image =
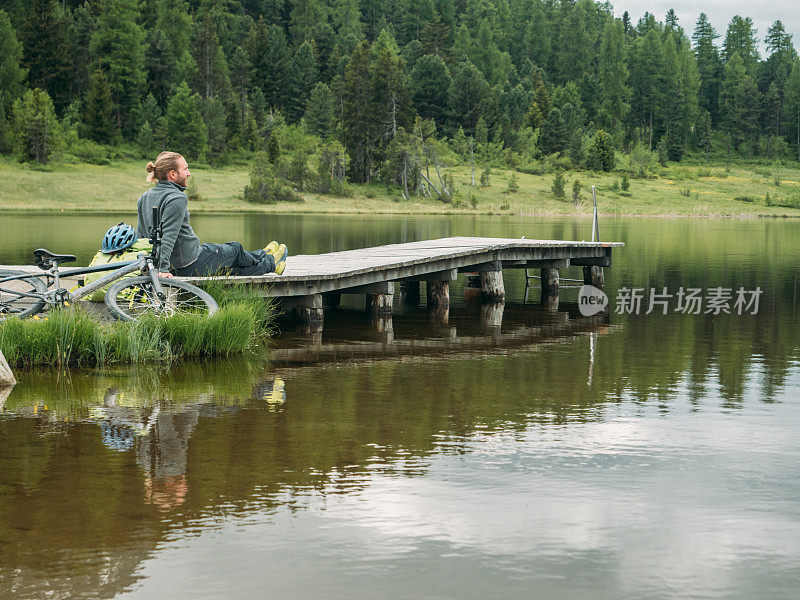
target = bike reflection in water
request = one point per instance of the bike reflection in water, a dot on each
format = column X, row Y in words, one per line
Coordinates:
column 160, row 437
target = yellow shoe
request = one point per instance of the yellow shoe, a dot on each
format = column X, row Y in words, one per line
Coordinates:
column 271, row 247
column 280, row 266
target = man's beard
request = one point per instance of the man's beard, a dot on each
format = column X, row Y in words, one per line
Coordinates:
column 182, row 182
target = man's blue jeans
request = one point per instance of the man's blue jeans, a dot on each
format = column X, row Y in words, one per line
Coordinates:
column 229, row 258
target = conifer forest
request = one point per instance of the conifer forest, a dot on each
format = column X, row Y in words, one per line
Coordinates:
column 317, row 93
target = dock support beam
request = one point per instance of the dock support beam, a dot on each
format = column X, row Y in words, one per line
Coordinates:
column 309, row 311
column 492, row 288
column 380, row 298
column 594, row 276
column 438, row 301
column 550, row 282
column 550, row 285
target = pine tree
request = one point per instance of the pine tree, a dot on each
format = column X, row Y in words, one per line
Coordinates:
column 240, row 67
column 35, row 126
column 709, row 65
column 739, row 99
column 302, row 75
column 430, row 80
column 12, row 75
column 389, row 88
column 468, row 94
column 305, row 17
column 792, row 104
column 161, row 65
column 99, row 110
column 269, row 54
column 80, row 28
column 213, row 112
column 613, row 72
column 319, row 112
column 741, row 39
column 347, row 18
column 118, row 46
column 213, row 79
column 44, row 42
column 186, row 131
column 646, row 84
column 357, row 114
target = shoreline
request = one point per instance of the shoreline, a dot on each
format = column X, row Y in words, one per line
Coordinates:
column 279, row 210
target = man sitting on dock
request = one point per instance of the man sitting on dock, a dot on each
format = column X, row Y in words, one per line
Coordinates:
column 182, row 253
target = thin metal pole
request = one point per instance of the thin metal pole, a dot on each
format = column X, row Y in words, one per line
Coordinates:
column 595, row 224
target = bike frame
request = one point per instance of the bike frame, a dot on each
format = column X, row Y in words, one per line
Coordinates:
column 119, row 270
column 59, row 295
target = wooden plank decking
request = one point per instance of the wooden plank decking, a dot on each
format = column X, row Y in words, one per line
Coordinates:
column 430, row 259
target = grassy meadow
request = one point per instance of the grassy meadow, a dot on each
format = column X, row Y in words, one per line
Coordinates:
column 699, row 190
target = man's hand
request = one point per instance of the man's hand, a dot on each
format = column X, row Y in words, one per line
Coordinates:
column 165, row 275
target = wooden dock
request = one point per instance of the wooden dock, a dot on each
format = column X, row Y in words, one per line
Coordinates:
column 314, row 282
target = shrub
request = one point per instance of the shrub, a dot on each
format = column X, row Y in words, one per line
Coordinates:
column 601, row 153
column 512, row 185
column 558, row 186
column 641, row 160
column 486, row 178
column 626, row 183
column 767, row 200
column 743, row 198
column 473, row 200
column 265, row 187
column 577, row 187
column 663, row 152
column 615, row 186
column 90, row 152
column 686, row 192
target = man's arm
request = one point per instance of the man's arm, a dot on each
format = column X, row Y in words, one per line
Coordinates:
column 173, row 212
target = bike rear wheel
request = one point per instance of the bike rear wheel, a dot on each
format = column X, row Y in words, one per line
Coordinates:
column 12, row 303
column 129, row 299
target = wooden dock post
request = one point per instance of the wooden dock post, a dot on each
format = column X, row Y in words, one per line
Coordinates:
column 492, row 288
column 594, row 276
column 310, row 311
column 6, row 375
column 380, row 298
column 438, row 300
column 550, row 281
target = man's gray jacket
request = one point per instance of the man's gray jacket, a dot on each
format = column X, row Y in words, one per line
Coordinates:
column 179, row 245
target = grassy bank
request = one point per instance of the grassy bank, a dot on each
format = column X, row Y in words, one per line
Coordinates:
column 72, row 337
column 701, row 190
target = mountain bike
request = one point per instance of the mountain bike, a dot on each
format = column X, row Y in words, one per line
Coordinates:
column 25, row 294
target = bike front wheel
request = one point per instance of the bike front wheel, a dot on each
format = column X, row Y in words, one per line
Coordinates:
column 13, row 302
column 129, row 299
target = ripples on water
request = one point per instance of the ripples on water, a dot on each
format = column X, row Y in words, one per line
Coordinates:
column 627, row 457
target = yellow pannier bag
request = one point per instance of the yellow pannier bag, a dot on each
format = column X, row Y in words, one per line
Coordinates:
column 142, row 246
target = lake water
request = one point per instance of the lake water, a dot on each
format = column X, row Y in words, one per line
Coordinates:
column 620, row 456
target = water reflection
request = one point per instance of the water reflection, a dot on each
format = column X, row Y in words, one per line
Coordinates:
column 508, row 451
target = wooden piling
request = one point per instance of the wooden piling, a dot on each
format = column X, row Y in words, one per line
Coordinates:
column 309, row 311
column 492, row 288
column 593, row 275
column 438, row 301
column 550, row 281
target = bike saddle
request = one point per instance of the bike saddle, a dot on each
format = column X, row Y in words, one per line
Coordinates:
column 46, row 259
